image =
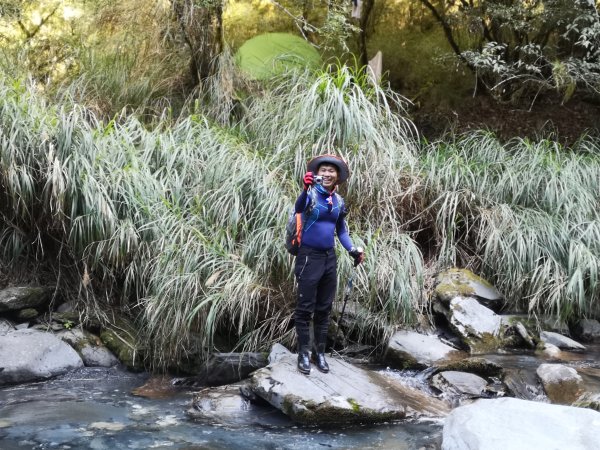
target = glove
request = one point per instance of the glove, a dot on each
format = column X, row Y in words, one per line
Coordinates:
column 308, row 180
column 358, row 254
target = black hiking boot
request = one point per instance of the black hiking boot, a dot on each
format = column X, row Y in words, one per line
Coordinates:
column 304, row 361
column 319, row 358
column 321, row 363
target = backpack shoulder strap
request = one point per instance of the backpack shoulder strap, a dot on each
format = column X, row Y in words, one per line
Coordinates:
column 312, row 194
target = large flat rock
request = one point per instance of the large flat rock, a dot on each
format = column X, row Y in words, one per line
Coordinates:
column 509, row 423
column 346, row 394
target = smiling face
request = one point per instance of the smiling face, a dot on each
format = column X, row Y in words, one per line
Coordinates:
column 329, row 172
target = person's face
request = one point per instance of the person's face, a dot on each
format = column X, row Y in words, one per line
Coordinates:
column 329, row 174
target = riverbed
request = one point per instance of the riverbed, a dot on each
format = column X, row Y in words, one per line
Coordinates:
column 94, row 408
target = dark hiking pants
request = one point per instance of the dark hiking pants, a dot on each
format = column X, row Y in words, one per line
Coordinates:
column 317, row 281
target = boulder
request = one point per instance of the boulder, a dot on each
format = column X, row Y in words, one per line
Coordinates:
column 89, row 347
column 227, row 368
column 27, row 355
column 562, row 342
column 464, row 283
column 409, row 349
column 459, row 383
column 16, row 298
column 345, row 394
column 588, row 330
column 98, row 356
column 478, row 326
column 562, row 384
column 6, row 326
column 509, row 423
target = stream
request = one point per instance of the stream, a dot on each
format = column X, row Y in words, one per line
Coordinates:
column 94, row 408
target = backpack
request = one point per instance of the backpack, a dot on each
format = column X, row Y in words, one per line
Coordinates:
column 295, row 223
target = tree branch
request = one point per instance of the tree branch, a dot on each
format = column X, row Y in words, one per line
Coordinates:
column 447, row 32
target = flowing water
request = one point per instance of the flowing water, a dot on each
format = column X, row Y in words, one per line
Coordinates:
column 95, row 409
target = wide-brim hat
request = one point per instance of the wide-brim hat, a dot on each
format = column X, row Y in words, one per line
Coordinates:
column 343, row 170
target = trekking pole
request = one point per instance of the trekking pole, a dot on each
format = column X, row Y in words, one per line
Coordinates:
column 347, row 291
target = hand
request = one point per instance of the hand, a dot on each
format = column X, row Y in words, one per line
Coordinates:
column 308, row 180
column 358, row 254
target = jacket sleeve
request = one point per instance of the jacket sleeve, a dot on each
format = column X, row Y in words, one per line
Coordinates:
column 342, row 230
column 301, row 202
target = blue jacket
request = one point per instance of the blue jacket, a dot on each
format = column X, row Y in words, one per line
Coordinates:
column 324, row 220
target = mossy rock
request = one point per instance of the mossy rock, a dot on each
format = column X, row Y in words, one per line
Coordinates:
column 590, row 400
column 27, row 314
column 270, row 54
column 463, row 283
column 124, row 346
column 478, row 366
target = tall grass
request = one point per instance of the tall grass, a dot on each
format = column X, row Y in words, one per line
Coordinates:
column 183, row 225
column 525, row 213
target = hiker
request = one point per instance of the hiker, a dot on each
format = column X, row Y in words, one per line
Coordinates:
column 316, row 264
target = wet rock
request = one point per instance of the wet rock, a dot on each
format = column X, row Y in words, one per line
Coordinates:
column 551, row 351
column 89, row 347
column 27, row 314
column 562, row 384
column 562, row 342
column 478, row 366
column 219, row 403
column 6, row 326
column 524, row 384
column 98, row 356
column 588, row 330
column 464, row 283
column 27, row 355
column 589, row 400
column 15, row 298
column 227, row 368
column 478, row 326
column 108, row 426
column 509, row 423
column 345, row 394
column 524, row 334
column 408, row 349
column 157, row 387
column 459, row 383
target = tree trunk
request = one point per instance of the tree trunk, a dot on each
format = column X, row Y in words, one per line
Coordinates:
column 201, row 23
column 367, row 8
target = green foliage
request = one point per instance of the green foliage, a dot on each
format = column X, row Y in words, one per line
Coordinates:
column 520, row 49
